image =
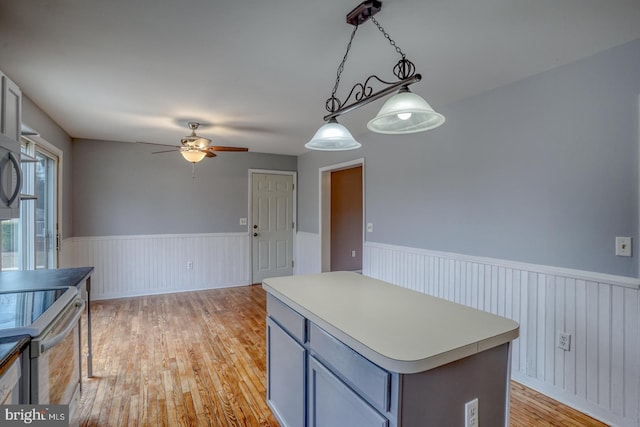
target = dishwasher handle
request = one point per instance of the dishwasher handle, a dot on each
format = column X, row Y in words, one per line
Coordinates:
column 56, row 339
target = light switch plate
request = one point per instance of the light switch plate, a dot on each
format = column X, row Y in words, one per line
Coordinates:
column 623, row 246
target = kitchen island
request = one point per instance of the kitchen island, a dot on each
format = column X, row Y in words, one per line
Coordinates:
column 345, row 349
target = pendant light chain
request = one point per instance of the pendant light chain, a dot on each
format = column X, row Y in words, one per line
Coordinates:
column 388, row 37
column 404, row 68
column 333, row 104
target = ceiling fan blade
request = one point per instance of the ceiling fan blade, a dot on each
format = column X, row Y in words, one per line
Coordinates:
column 156, row 143
column 210, row 154
column 222, row 148
column 165, row 151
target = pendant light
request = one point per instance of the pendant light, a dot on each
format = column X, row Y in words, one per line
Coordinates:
column 403, row 113
column 332, row 137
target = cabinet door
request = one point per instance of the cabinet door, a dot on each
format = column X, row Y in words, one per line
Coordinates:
column 333, row 404
column 10, row 384
column 10, row 109
column 286, row 376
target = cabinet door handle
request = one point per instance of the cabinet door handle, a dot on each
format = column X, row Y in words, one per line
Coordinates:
column 16, row 165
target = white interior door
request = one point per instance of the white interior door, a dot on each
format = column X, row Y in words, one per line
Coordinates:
column 272, row 225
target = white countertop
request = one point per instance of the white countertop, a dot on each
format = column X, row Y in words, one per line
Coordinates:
column 399, row 329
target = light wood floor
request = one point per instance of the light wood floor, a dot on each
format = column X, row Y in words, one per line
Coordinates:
column 198, row 359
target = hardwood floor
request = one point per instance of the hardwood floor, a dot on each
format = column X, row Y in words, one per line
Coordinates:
column 198, row 359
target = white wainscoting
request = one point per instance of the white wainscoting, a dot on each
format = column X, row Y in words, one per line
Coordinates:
column 600, row 375
column 307, row 253
column 145, row 265
column 66, row 253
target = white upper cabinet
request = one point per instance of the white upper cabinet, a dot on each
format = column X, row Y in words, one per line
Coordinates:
column 10, row 171
column 10, row 109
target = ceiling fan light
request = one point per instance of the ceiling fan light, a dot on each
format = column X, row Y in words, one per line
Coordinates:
column 192, row 155
column 202, row 142
column 405, row 112
column 332, row 137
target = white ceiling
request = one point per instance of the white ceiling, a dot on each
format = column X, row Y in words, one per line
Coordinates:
column 259, row 72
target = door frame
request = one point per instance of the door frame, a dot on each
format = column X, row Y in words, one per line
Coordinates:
column 294, row 174
column 39, row 142
column 324, row 216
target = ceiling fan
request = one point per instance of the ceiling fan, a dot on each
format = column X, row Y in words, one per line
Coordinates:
column 195, row 148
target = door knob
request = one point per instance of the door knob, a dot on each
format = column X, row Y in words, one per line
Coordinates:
column 255, row 225
column 255, row 234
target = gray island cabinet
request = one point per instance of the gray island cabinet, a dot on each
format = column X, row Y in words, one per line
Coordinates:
column 347, row 350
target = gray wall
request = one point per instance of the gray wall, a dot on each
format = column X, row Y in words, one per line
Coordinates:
column 38, row 120
column 544, row 171
column 123, row 189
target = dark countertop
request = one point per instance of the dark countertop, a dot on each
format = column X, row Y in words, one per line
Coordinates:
column 30, row 280
column 10, row 348
column 43, row 279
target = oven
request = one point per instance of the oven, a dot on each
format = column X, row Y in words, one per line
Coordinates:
column 55, row 361
column 53, row 365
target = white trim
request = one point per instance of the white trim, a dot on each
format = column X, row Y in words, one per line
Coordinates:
column 324, row 195
column 567, row 399
column 141, row 293
column 155, row 236
column 627, row 282
column 52, row 150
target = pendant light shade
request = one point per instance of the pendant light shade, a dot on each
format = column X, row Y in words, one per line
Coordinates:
column 332, row 137
column 405, row 112
column 192, row 155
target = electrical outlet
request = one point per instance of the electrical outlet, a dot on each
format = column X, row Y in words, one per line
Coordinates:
column 189, row 265
column 353, row 254
column 564, row 341
column 243, row 221
column 369, row 227
column 471, row 413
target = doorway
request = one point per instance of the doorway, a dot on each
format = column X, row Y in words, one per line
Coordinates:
column 272, row 224
column 342, row 216
column 46, row 210
column 31, row 241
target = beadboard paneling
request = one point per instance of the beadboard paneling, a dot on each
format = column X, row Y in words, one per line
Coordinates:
column 144, row 265
column 66, row 254
column 600, row 375
column 307, row 253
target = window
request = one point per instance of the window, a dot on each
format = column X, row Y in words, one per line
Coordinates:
column 10, row 245
column 30, row 242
